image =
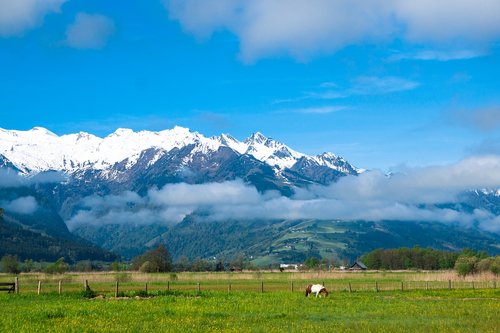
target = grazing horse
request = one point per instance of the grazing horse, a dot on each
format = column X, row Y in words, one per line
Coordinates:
column 316, row 288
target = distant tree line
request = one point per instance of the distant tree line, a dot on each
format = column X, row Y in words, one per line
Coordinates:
column 410, row 258
column 159, row 260
column 465, row 262
column 156, row 260
column 11, row 264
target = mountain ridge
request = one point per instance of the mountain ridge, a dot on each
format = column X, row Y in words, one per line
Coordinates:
column 33, row 150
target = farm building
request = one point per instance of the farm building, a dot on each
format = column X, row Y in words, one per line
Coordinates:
column 358, row 266
column 289, row 266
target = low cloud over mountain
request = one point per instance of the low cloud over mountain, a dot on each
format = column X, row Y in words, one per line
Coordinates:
column 418, row 194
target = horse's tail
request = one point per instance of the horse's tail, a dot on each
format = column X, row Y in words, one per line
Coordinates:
column 308, row 290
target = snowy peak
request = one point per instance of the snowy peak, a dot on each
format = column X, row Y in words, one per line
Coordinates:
column 270, row 151
column 39, row 149
column 42, row 131
column 256, row 138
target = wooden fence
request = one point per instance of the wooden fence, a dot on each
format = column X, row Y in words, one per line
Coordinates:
column 117, row 288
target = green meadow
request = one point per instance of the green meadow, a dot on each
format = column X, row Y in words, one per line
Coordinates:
column 173, row 303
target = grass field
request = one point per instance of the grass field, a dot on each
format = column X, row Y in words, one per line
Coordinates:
column 246, row 309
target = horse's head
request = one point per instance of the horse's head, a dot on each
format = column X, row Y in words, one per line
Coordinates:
column 324, row 291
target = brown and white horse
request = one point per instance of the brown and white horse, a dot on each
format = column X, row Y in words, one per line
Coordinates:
column 317, row 289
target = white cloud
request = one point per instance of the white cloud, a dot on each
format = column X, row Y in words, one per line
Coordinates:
column 318, row 109
column 304, row 28
column 449, row 20
column 17, row 16
column 437, row 55
column 411, row 195
column 360, row 86
column 22, row 205
column 10, row 178
column 89, row 31
column 372, row 85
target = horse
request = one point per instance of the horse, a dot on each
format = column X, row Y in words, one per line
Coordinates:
column 316, row 288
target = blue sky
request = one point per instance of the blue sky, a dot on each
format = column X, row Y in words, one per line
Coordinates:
column 383, row 83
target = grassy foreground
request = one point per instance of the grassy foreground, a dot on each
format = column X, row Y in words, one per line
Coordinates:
column 214, row 311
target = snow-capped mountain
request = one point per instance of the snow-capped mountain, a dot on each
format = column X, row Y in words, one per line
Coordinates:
column 39, row 150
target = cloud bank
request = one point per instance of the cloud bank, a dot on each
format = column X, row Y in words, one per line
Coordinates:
column 304, row 28
column 23, row 205
column 10, row 178
column 411, row 195
column 89, row 31
column 18, row 16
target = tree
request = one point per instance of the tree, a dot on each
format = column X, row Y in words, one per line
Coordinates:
column 484, row 265
column 153, row 261
column 10, row 264
column 182, row 264
column 59, row 267
column 495, row 266
column 200, row 265
column 239, row 262
column 28, row 265
column 115, row 266
column 311, row 263
column 220, row 266
column 466, row 265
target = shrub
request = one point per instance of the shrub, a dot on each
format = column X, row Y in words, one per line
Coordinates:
column 89, row 293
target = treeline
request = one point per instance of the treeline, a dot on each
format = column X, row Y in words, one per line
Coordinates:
column 11, row 264
column 410, row 258
column 465, row 262
column 160, row 260
column 152, row 261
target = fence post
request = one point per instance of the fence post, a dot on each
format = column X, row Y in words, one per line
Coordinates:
column 449, row 284
column 402, row 286
column 262, row 286
column 39, row 287
column 494, row 284
column 199, row 288
column 60, row 287
column 229, row 287
column 17, row 285
column 376, row 286
column 350, row 289
column 291, row 286
column 146, row 287
column 427, row 285
column 473, row 285
column 116, row 288
column 168, row 285
column 86, row 285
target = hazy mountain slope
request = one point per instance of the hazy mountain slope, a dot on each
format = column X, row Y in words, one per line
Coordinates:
column 288, row 240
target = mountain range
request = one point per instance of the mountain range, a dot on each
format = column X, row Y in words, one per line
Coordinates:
column 64, row 173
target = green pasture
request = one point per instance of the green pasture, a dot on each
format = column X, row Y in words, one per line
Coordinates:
column 457, row 310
